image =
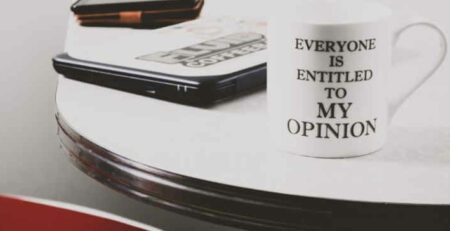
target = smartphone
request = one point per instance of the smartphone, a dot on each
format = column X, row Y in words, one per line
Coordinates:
column 108, row 6
column 136, row 13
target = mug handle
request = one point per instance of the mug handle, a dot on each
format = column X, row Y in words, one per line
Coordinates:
column 398, row 100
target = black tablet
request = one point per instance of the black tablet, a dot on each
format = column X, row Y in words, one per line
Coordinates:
column 201, row 91
column 198, row 62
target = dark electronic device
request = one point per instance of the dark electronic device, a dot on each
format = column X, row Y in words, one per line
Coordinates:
column 108, row 6
column 199, row 91
column 146, row 13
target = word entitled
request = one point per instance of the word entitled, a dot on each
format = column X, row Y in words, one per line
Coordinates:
column 334, row 76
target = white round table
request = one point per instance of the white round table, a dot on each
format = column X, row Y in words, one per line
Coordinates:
column 218, row 164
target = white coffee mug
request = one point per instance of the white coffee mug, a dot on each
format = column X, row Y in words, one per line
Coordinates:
column 328, row 65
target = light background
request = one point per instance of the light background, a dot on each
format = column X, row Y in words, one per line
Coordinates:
column 31, row 162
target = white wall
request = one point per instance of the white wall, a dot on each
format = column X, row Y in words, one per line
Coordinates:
column 31, row 163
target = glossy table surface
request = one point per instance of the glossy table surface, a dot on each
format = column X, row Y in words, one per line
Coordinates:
column 229, row 143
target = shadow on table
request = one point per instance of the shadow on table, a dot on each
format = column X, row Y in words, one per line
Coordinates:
column 421, row 145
